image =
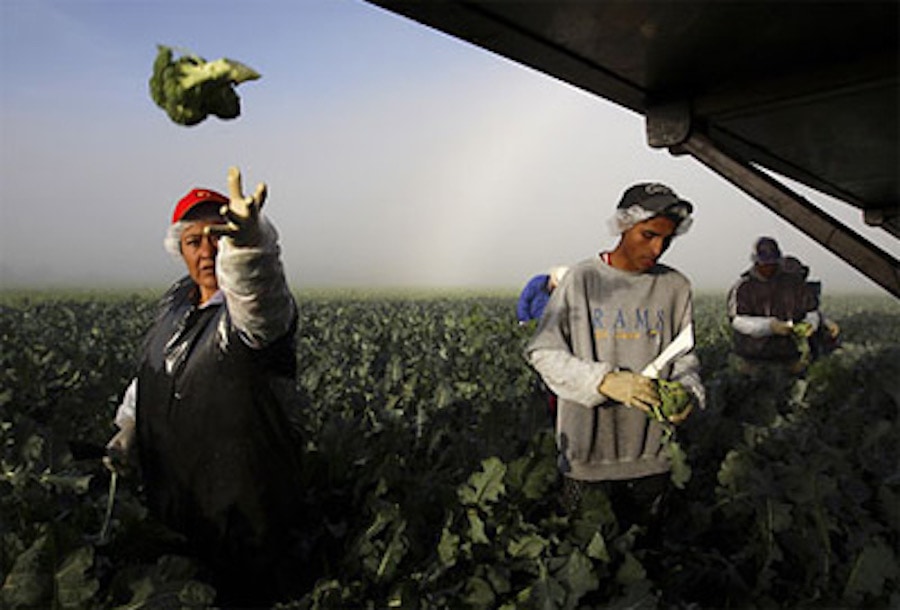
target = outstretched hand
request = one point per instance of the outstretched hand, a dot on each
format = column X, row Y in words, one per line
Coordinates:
column 241, row 213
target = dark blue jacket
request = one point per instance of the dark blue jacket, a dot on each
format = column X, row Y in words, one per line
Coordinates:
column 533, row 298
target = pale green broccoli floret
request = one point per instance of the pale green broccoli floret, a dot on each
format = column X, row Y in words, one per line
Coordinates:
column 675, row 399
column 189, row 88
column 801, row 332
column 802, row 329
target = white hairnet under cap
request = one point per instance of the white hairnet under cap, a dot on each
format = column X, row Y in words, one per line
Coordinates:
column 557, row 273
column 646, row 200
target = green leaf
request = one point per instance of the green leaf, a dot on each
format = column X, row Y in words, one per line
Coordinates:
column 780, row 516
column 681, row 469
column 638, row 596
column 29, row 583
column 540, row 478
column 78, row 484
column 874, row 566
column 448, row 548
column 499, row 579
column 597, row 548
column 479, row 593
column 74, row 585
column 197, row 594
column 476, row 528
column 546, row 593
column 631, row 570
column 528, row 547
column 578, row 575
column 484, row 486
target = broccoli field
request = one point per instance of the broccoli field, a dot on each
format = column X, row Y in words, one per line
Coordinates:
column 430, row 472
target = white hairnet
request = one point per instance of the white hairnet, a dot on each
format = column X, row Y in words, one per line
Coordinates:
column 172, row 241
column 557, row 273
column 625, row 218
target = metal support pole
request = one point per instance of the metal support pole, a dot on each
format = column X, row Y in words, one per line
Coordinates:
column 870, row 260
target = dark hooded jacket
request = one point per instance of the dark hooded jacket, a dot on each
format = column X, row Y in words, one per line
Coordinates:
column 216, row 448
column 786, row 296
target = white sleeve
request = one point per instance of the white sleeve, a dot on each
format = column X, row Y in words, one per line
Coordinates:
column 686, row 370
column 127, row 408
column 814, row 318
column 754, row 326
column 256, row 292
column 569, row 377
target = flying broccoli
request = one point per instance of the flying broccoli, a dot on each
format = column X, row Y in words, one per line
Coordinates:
column 189, row 88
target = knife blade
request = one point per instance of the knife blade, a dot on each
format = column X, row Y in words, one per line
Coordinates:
column 678, row 347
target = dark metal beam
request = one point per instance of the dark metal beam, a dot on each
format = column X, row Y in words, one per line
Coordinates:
column 803, row 91
column 873, row 262
column 672, row 126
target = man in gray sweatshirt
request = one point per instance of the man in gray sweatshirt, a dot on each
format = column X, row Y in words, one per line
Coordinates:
column 612, row 315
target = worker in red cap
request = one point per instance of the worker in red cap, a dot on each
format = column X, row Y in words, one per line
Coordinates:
column 207, row 417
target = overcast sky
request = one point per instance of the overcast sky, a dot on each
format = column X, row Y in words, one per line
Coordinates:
column 395, row 155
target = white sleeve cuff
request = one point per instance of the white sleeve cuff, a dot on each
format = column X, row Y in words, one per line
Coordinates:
column 754, row 326
column 252, row 279
column 128, row 407
column 814, row 318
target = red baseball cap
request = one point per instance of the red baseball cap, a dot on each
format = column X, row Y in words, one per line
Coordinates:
column 194, row 198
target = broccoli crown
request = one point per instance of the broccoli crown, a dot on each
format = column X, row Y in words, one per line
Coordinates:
column 189, row 88
column 802, row 329
column 674, row 397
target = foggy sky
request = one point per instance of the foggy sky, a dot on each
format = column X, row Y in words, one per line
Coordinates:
column 395, row 155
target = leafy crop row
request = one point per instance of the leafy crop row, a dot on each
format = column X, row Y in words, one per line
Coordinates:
column 430, row 476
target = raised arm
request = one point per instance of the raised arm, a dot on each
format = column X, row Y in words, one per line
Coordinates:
column 249, row 267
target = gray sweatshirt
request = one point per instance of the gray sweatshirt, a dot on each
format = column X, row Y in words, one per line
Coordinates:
column 602, row 319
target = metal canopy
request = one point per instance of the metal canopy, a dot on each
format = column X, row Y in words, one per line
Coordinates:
column 808, row 90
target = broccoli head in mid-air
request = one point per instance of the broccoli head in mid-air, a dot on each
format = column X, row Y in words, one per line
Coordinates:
column 190, row 88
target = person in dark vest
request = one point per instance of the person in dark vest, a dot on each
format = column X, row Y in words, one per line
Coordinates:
column 766, row 307
column 207, row 418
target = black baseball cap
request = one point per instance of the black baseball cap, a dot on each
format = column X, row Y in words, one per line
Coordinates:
column 656, row 198
column 766, row 251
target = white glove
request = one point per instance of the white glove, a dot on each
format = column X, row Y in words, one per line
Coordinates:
column 242, row 212
column 631, row 389
column 120, row 449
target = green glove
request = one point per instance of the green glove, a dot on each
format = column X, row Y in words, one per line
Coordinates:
column 242, row 212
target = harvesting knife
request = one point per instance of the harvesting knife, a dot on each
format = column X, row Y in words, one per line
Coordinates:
column 678, row 347
column 110, row 500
